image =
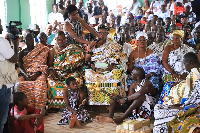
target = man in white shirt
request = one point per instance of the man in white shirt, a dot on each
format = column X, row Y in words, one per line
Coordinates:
column 134, row 7
column 55, row 15
column 89, row 11
column 8, row 57
column 155, row 6
column 163, row 13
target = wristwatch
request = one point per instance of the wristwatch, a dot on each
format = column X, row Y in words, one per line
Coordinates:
column 126, row 99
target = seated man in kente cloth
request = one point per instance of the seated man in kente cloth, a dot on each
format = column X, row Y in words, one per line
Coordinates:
column 139, row 102
column 33, row 70
column 108, row 68
column 65, row 60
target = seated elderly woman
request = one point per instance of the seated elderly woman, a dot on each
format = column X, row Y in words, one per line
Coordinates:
column 147, row 59
column 172, row 61
column 180, row 117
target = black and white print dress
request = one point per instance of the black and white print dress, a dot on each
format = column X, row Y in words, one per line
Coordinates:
column 76, row 27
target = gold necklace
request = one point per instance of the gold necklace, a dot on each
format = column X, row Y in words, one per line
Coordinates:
column 139, row 56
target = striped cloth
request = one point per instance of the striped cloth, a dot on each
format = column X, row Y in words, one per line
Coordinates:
column 36, row 91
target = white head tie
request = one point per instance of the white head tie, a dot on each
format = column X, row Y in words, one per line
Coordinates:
column 140, row 33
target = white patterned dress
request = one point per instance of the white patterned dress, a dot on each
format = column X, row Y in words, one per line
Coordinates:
column 175, row 59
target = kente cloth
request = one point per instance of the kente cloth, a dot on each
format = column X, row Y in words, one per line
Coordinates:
column 158, row 48
column 111, row 81
column 36, row 91
column 165, row 91
column 150, row 64
column 82, row 114
column 169, row 78
column 24, row 126
column 76, row 27
column 112, row 32
column 185, row 120
column 163, row 114
column 67, row 63
column 175, row 60
column 145, row 110
column 182, row 90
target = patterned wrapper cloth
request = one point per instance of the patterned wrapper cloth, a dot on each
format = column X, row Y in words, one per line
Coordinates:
column 36, row 91
column 110, row 81
column 182, row 90
column 66, row 63
column 163, row 114
column 175, row 60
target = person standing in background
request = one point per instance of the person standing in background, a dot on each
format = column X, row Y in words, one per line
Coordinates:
column 8, row 75
column 55, row 15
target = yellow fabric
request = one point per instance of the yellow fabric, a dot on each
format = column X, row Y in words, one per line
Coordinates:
column 183, row 89
column 179, row 32
column 112, row 32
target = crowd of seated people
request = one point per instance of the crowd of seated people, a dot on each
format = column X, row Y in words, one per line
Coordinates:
column 144, row 58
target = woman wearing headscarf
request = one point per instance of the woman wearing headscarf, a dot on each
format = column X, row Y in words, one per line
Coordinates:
column 172, row 61
column 146, row 59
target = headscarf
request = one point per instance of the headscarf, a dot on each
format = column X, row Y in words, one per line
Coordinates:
column 103, row 27
column 179, row 32
column 140, row 33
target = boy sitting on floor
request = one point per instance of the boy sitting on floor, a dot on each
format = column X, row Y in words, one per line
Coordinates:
column 25, row 117
column 139, row 101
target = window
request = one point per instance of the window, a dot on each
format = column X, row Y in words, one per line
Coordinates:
column 3, row 15
column 38, row 12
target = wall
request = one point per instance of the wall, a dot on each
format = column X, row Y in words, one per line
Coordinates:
column 49, row 6
column 19, row 10
column 13, row 10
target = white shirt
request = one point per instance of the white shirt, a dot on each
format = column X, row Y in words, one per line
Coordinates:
column 6, row 52
column 172, row 7
column 89, row 15
column 55, row 16
column 124, row 19
column 156, row 6
column 135, row 9
column 163, row 15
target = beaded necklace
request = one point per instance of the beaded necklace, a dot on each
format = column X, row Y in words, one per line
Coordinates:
column 144, row 56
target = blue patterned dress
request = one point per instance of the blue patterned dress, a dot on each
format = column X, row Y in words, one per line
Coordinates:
column 82, row 114
column 152, row 63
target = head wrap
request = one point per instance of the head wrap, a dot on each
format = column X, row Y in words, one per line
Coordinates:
column 140, row 33
column 71, row 8
column 178, row 32
column 103, row 27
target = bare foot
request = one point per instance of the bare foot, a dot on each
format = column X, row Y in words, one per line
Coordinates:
column 118, row 120
column 104, row 119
